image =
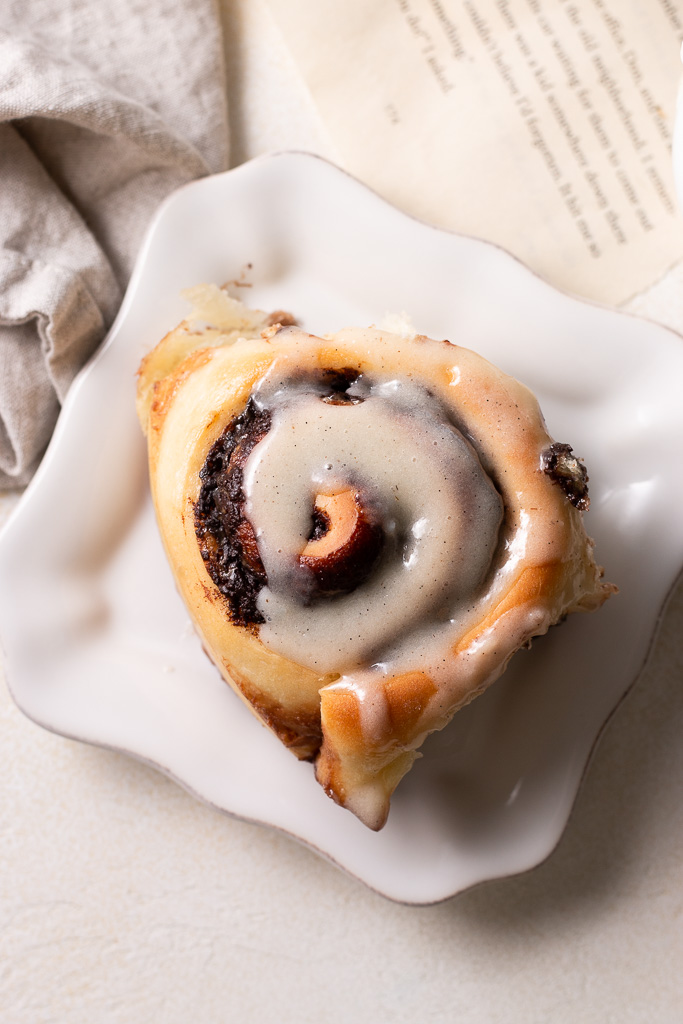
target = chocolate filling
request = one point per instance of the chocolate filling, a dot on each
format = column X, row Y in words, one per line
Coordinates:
column 321, row 524
column 337, row 383
column 226, row 539
column 559, row 462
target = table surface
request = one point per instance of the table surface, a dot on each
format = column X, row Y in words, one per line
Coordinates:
column 124, row 899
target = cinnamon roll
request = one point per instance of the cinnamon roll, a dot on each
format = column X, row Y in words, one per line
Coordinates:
column 365, row 527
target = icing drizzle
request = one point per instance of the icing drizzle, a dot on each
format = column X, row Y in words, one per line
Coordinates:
column 393, row 444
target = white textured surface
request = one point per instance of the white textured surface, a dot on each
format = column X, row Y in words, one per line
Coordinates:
column 124, row 900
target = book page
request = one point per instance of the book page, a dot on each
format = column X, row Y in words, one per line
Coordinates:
column 542, row 125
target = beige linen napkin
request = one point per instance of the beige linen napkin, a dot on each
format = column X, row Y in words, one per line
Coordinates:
column 104, row 110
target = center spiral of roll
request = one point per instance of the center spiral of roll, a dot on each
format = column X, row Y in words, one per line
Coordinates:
column 374, row 518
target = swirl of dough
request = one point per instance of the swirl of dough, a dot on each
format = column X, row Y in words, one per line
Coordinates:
column 413, row 512
column 364, row 527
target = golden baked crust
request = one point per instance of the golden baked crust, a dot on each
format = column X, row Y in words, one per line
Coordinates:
column 362, row 721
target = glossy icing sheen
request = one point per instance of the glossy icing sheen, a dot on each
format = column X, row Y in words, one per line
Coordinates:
column 447, row 435
column 440, row 513
column 482, row 550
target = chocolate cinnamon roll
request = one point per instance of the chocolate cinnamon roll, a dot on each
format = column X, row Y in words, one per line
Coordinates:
column 365, row 527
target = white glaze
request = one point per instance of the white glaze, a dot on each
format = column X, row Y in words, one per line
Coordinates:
column 440, row 511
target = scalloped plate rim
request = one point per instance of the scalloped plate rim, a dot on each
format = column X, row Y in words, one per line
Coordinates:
column 80, row 382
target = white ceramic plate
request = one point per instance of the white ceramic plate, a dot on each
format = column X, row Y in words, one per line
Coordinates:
column 98, row 646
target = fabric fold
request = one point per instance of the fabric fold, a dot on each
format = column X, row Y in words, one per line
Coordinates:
column 103, row 112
